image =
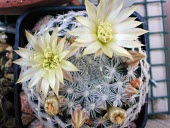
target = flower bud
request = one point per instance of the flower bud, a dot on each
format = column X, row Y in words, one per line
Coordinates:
column 135, row 83
column 137, row 56
column 130, row 90
column 116, row 115
column 52, row 105
column 78, row 118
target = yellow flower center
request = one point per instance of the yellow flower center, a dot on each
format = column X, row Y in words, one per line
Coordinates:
column 50, row 60
column 105, row 32
column 50, row 108
column 119, row 119
column 51, row 105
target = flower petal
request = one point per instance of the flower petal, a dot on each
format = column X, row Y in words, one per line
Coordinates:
column 130, row 19
column 121, row 52
column 34, row 81
column 56, row 88
column 25, row 76
column 124, row 14
column 44, row 86
column 127, row 25
column 91, row 10
column 92, row 48
column 135, row 32
column 100, row 10
column 54, row 38
column 41, row 42
column 114, row 11
column 24, row 62
column 99, row 52
column 73, row 50
column 68, row 66
column 128, row 3
column 107, row 51
column 63, row 54
column 52, row 80
column 78, row 44
column 79, row 31
column 86, row 38
column 32, row 40
column 38, row 87
column 129, row 44
column 47, row 37
column 86, row 22
column 60, row 46
column 25, row 53
column 127, row 36
column 59, row 74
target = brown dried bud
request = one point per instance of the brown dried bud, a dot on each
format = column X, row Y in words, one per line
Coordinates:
column 130, row 90
column 72, row 40
column 67, row 75
column 52, row 105
column 135, row 83
column 78, row 118
column 136, row 58
column 116, row 115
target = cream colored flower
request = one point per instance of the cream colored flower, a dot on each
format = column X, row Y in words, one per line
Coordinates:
column 107, row 29
column 46, row 62
column 52, row 105
column 116, row 115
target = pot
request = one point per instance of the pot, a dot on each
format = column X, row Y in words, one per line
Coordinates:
column 27, row 22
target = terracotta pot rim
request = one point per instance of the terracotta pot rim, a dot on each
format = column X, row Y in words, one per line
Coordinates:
column 17, row 3
column 18, row 7
column 20, row 3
